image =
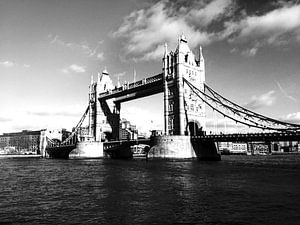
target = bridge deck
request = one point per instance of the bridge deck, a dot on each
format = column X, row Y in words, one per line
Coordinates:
column 290, row 136
column 139, row 89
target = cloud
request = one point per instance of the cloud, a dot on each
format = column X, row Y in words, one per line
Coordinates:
column 100, row 56
column 276, row 27
column 34, row 117
column 7, row 64
column 83, row 47
column 4, row 119
column 146, row 30
column 211, row 12
column 10, row 64
column 250, row 52
column 285, row 94
column 74, row 68
column 266, row 99
column 293, row 118
column 59, row 113
column 120, row 74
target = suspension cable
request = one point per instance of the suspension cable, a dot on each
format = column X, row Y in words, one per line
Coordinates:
column 247, row 111
column 77, row 126
column 257, row 125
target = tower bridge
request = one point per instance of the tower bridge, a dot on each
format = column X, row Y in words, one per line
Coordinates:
column 186, row 96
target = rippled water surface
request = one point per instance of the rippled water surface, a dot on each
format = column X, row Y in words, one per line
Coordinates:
column 237, row 190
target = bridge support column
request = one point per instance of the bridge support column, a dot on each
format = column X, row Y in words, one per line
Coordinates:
column 182, row 147
column 166, row 96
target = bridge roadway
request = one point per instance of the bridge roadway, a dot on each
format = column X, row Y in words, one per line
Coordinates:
column 249, row 137
column 121, row 149
column 142, row 88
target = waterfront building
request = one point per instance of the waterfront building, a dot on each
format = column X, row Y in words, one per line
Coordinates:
column 289, row 146
column 224, row 147
column 239, row 148
column 233, row 147
column 83, row 133
column 24, row 142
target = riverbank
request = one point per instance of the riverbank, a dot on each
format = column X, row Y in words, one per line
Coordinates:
column 19, row 156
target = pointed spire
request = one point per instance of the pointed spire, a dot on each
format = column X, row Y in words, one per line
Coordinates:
column 98, row 81
column 134, row 75
column 118, row 84
column 182, row 37
column 92, row 79
column 166, row 49
column 201, row 58
column 105, row 71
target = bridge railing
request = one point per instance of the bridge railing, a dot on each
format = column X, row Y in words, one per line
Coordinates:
column 132, row 85
column 249, row 136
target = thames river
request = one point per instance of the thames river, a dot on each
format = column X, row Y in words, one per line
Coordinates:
column 236, row 190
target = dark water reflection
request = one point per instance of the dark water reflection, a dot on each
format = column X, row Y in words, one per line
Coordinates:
column 237, row 190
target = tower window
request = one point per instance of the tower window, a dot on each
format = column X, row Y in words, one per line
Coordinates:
column 171, row 106
column 192, row 107
column 186, row 58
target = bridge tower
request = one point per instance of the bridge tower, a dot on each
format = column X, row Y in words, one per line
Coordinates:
column 104, row 116
column 184, row 113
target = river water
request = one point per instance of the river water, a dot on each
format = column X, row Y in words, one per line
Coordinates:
column 236, row 190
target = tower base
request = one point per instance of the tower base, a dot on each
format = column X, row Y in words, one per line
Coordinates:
column 182, row 147
column 87, row 149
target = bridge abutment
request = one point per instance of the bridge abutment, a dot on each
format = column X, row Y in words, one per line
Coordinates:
column 88, row 149
column 182, row 147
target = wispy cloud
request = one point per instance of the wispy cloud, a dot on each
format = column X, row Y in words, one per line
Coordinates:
column 120, row 74
column 249, row 52
column 83, row 47
column 40, row 117
column 205, row 22
column 11, row 64
column 145, row 30
column 285, row 94
column 276, row 27
column 7, row 64
column 55, row 113
column 74, row 68
column 266, row 99
column 4, row 119
column 100, row 56
column 293, row 118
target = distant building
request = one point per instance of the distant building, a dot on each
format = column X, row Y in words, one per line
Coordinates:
column 127, row 130
column 259, row 148
column 24, row 142
column 224, row 146
column 239, row 148
column 233, row 147
column 83, row 134
column 58, row 135
column 286, row 146
column 155, row 133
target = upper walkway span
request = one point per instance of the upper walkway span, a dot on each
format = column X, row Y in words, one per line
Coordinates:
column 142, row 88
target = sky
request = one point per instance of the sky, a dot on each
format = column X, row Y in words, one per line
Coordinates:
column 50, row 49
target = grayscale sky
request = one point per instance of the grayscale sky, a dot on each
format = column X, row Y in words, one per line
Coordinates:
column 50, row 49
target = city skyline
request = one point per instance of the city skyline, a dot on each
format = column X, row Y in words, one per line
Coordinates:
column 50, row 50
